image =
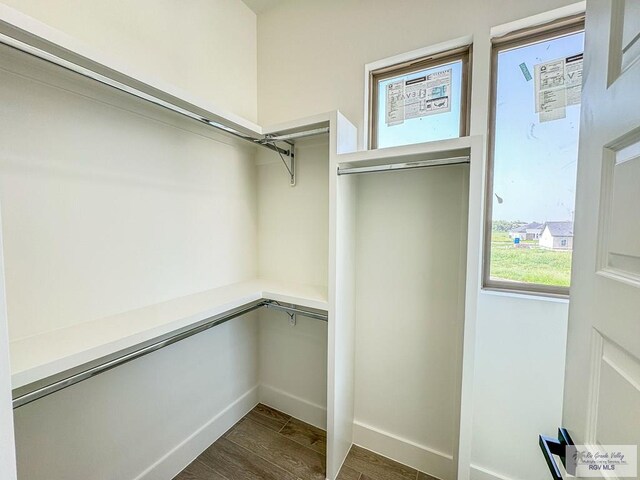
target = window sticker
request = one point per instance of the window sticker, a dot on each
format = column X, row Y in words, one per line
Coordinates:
column 418, row 97
column 558, row 84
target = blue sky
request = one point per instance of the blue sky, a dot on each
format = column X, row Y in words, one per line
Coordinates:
column 432, row 127
column 535, row 163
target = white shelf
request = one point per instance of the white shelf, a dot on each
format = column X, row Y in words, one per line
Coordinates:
column 41, row 356
column 35, row 34
column 455, row 147
column 305, row 123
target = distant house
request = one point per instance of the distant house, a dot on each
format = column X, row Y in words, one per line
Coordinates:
column 557, row 236
column 530, row 231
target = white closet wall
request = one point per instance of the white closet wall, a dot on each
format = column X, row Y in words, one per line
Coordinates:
column 293, row 222
column 410, row 284
column 110, row 204
column 182, row 44
column 293, row 238
column 146, row 419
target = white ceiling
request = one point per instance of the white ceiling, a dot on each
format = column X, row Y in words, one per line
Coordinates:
column 259, row 6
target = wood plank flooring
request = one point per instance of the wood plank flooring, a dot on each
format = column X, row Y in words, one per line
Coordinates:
column 270, row 445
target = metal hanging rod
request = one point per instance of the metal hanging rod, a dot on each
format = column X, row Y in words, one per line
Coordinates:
column 103, row 79
column 129, row 355
column 403, row 166
column 295, row 310
column 265, row 141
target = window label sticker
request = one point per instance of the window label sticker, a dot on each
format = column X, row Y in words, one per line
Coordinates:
column 418, row 97
column 558, row 84
column 573, row 78
column 394, row 105
column 525, row 72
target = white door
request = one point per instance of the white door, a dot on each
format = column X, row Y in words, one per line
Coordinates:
column 602, row 385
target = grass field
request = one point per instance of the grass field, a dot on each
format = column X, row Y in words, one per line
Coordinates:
column 528, row 263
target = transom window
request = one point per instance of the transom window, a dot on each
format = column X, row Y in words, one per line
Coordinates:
column 420, row 101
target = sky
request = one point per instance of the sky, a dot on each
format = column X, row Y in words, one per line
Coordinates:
column 432, row 127
column 535, row 163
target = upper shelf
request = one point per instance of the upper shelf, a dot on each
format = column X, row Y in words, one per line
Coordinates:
column 26, row 33
column 42, row 356
column 441, row 149
column 36, row 38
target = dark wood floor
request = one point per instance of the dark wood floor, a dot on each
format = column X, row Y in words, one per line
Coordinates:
column 270, row 445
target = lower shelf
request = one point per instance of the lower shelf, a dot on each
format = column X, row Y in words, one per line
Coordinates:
column 69, row 355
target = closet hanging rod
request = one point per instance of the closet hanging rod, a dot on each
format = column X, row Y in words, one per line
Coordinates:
column 111, row 82
column 305, row 313
column 128, row 356
column 403, row 166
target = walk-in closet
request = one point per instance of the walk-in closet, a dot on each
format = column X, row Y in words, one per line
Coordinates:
column 248, row 239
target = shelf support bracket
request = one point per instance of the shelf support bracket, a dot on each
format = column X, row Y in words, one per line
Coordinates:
column 270, row 141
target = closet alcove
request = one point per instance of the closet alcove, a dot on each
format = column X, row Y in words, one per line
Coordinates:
column 409, row 228
column 130, row 225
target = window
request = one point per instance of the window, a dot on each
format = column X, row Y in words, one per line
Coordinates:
column 419, row 101
column 535, row 118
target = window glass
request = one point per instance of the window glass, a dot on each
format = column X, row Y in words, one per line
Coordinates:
column 534, row 161
column 419, row 105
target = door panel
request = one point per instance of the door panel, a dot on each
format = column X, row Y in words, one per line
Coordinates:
column 602, row 383
column 615, row 391
column 630, row 31
column 619, row 227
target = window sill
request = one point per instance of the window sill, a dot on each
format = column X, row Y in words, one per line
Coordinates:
column 525, row 295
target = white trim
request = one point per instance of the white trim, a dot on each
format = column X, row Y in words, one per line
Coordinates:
column 480, row 473
column 184, row 453
column 297, row 407
column 7, row 442
column 524, row 295
column 401, row 58
column 539, row 19
column 475, row 224
column 421, row 457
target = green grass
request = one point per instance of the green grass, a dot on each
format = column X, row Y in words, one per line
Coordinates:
column 529, row 263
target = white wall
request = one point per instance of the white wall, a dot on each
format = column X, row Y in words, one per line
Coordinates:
column 207, row 47
column 146, row 419
column 293, row 222
column 293, row 236
column 331, row 42
column 110, row 204
column 519, row 381
column 411, row 231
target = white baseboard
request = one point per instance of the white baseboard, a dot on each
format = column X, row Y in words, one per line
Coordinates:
column 297, row 407
column 184, row 453
column 420, row 457
column 481, row 473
